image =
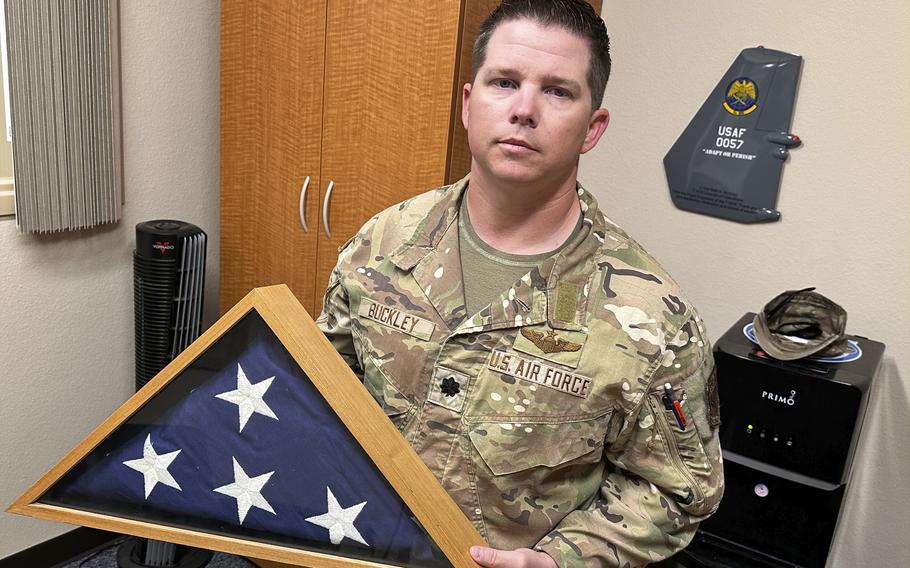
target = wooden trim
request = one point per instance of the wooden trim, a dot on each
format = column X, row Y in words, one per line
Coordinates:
column 63, row 548
column 474, row 13
column 342, row 390
column 454, row 114
column 267, row 563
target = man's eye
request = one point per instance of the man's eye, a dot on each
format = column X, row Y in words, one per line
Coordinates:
column 503, row 83
column 561, row 93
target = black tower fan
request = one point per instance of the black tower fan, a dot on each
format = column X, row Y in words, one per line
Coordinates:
column 168, row 284
column 168, row 279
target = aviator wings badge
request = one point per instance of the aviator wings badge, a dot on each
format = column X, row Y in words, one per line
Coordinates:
column 548, row 342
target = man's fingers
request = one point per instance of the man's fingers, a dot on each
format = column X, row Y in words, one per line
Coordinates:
column 520, row 558
column 485, row 556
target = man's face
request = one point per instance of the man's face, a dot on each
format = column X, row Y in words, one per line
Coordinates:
column 528, row 112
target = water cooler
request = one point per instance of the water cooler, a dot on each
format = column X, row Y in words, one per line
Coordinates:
column 788, row 434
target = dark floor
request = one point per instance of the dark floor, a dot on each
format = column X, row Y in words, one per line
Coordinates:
column 107, row 558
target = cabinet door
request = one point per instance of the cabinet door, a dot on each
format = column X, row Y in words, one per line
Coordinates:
column 272, row 55
column 389, row 80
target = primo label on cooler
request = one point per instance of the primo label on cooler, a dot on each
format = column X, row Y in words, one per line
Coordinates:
column 729, row 137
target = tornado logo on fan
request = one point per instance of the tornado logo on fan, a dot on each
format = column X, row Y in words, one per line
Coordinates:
column 163, row 246
column 741, row 96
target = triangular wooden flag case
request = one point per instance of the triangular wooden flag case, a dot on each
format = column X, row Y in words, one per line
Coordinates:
column 259, row 440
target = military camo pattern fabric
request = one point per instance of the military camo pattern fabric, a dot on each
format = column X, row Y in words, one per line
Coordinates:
column 542, row 414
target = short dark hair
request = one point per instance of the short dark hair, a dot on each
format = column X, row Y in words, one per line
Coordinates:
column 575, row 16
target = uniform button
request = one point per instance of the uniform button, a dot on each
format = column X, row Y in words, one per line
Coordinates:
column 449, row 386
column 477, row 511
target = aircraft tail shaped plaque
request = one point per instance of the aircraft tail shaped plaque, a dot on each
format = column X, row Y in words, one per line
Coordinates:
column 728, row 161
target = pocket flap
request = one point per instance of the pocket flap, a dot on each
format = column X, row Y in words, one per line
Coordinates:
column 510, row 447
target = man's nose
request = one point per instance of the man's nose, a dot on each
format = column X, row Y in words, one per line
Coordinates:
column 524, row 109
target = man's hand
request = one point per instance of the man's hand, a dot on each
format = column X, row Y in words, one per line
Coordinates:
column 521, row 558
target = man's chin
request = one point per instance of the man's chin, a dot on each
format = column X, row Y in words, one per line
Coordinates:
column 515, row 174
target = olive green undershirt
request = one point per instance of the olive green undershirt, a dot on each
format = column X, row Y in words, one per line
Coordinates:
column 488, row 272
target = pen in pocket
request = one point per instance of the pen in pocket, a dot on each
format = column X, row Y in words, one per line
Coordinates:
column 672, row 404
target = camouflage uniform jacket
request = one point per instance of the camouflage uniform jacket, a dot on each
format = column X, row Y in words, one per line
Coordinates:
column 542, row 415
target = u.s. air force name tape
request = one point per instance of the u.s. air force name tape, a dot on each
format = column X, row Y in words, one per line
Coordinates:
column 396, row 319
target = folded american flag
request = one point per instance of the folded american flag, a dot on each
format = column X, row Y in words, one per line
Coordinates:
column 242, row 444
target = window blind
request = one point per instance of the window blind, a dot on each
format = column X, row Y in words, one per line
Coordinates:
column 65, row 99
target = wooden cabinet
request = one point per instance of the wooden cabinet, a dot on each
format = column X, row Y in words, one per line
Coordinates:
column 360, row 96
column 387, row 110
column 353, row 94
column 272, row 69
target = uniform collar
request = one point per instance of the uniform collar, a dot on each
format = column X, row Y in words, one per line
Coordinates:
column 431, row 230
column 557, row 292
column 570, row 279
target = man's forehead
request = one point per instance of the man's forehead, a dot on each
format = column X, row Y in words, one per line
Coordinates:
column 525, row 42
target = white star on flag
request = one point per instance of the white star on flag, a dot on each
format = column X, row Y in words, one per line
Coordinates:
column 153, row 467
column 247, row 491
column 248, row 397
column 339, row 521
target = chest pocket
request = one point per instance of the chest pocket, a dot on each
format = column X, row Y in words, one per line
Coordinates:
column 520, row 472
column 507, row 447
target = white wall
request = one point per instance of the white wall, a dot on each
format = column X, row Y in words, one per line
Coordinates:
column 66, row 313
column 845, row 197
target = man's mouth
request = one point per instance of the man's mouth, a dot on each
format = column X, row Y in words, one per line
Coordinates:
column 517, row 142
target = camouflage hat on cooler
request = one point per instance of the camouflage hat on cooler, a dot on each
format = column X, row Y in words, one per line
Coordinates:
column 801, row 323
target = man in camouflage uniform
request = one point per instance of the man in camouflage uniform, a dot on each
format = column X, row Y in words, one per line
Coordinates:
column 573, row 417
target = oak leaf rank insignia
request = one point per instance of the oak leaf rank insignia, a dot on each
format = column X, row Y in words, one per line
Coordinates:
column 449, row 386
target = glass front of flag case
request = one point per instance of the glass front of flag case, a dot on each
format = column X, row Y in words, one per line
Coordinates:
column 241, row 444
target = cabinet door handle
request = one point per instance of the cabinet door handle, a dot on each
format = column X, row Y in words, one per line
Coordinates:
column 302, row 205
column 325, row 209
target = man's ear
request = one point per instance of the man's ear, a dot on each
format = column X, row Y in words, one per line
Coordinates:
column 465, row 97
column 600, row 119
